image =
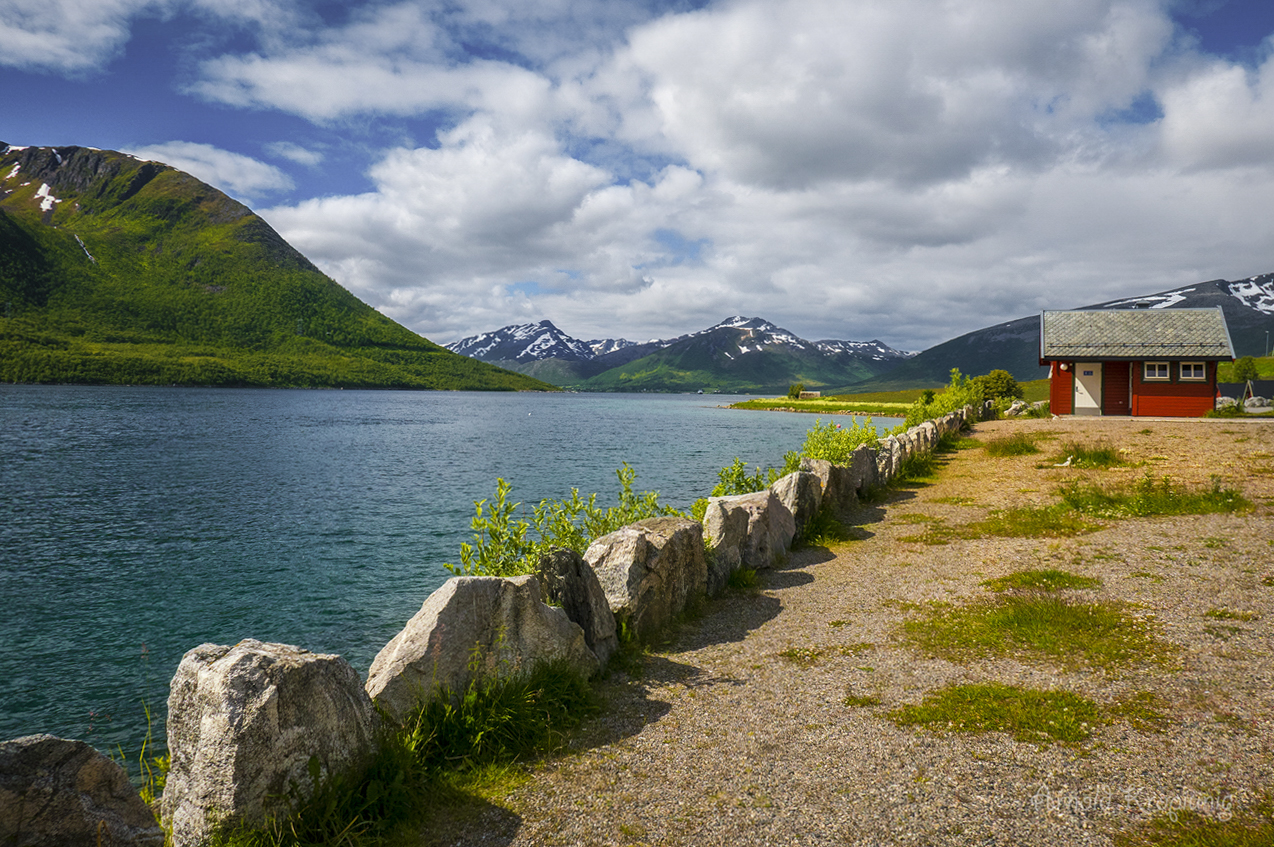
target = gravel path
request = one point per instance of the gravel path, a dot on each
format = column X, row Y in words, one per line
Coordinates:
column 723, row 741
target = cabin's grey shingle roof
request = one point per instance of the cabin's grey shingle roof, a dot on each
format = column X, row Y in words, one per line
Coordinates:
column 1135, row 334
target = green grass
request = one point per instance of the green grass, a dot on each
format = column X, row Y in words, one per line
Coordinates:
column 1039, row 627
column 1231, row 615
column 1089, row 455
column 1150, row 497
column 1252, row 826
column 459, row 741
column 861, row 701
column 825, row 405
column 1017, row 444
column 1041, row 580
column 1023, row 522
column 1039, row 717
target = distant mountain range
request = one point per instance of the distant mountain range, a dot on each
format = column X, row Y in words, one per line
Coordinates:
column 1248, row 305
column 738, row 355
column 117, row 270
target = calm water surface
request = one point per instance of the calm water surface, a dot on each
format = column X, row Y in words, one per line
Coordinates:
column 137, row 523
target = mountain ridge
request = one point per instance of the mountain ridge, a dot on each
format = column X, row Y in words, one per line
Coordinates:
column 119, row 270
column 736, row 354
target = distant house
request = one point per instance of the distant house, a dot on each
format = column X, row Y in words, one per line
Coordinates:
column 810, row 395
column 1141, row 362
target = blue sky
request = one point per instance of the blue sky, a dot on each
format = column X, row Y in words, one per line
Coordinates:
column 906, row 170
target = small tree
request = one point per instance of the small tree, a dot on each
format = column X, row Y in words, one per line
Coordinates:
column 1245, row 369
column 794, row 390
column 997, row 384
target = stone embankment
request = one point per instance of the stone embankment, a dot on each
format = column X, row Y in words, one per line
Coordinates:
column 248, row 724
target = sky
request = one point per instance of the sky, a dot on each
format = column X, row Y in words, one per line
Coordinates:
column 901, row 170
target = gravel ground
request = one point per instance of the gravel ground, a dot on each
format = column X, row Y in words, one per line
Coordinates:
column 722, row 741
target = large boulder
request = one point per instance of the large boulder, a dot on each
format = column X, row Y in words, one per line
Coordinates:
column 862, row 469
column 569, row 582
column 802, row 493
column 650, row 571
column 770, row 528
column 888, row 460
column 837, row 482
column 60, row 793
column 474, row 628
column 244, row 722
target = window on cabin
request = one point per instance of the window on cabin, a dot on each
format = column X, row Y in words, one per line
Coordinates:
column 1156, row 371
column 1193, row 370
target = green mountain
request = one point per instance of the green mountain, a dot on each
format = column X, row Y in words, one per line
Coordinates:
column 115, row 270
column 739, row 355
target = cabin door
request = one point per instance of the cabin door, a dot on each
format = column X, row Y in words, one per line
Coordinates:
column 1088, row 388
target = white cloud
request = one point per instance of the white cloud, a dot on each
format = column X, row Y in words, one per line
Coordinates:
column 295, row 153
column 908, row 170
column 68, row 36
column 235, row 174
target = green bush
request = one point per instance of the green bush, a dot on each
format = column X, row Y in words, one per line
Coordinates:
column 960, row 391
column 1245, row 369
column 505, row 545
column 835, row 443
column 998, row 384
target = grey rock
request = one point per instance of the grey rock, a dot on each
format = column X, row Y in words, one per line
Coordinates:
column 1225, row 402
column 60, row 793
column 770, row 527
column 802, row 493
column 569, row 582
column 839, row 489
column 1256, row 402
column 243, row 725
column 650, row 570
column 862, row 469
column 474, row 628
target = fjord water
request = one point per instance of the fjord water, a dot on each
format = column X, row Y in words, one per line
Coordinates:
column 137, row 523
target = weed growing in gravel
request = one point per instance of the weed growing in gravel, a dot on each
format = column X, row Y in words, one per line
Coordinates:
column 1100, row 455
column 1152, row 497
column 1143, row 710
column 803, row 657
column 1231, row 615
column 1249, row 827
column 1017, row 444
column 1024, row 522
column 1147, row 575
column 1043, row 626
column 1040, row 717
column 860, row 701
column 744, row 579
column 825, row 530
column 1041, row 580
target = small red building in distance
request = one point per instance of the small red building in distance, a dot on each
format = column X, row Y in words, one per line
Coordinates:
column 1141, row 362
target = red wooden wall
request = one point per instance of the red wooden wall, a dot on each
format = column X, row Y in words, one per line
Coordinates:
column 1173, row 399
column 1115, row 389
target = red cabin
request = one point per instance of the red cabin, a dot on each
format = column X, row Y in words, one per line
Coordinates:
column 1141, row 362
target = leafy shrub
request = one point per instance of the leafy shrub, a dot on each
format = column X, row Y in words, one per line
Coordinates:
column 835, row 443
column 503, row 545
column 960, row 391
column 998, row 384
column 1245, row 369
column 794, row 390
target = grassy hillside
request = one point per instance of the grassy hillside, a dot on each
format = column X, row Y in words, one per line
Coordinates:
column 141, row 274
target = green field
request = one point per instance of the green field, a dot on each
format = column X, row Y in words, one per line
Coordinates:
column 881, row 403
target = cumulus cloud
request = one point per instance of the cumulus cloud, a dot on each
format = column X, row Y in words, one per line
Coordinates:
column 67, row 36
column 909, row 169
column 235, row 174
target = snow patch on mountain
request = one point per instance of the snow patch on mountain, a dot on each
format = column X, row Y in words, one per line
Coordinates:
column 1255, row 293
column 1165, row 300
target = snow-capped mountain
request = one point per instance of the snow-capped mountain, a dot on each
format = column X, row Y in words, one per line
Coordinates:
column 523, row 343
column 739, row 353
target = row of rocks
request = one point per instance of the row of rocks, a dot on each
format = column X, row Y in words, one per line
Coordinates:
column 1253, row 402
column 251, row 726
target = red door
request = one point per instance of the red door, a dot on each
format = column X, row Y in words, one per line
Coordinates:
column 1116, row 389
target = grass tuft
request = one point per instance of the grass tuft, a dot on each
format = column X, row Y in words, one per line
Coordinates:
column 1039, row 717
column 1100, row 455
column 1017, row 444
column 1149, row 497
column 1039, row 626
column 1249, row 827
column 1041, row 580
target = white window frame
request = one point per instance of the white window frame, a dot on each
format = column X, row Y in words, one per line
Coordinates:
column 1203, row 371
column 1147, row 377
